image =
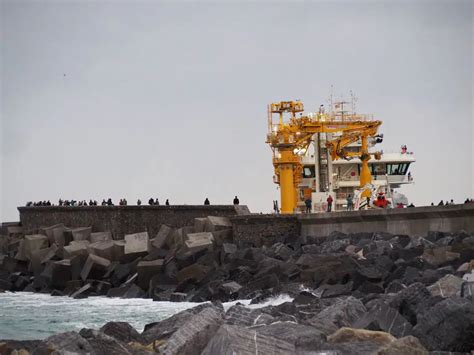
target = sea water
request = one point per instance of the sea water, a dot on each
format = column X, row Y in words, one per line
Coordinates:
column 26, row 316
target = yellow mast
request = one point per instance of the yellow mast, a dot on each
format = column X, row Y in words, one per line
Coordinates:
column 288, row 139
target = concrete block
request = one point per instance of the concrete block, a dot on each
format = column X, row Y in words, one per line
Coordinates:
column 34, row 242
column 61, row 273
column 146, row 270
column 222, row 236
column 200, row 225
column 136, row 243
column 95, row 267
column 163, row 234
column 100, row 237
column 178, row 237
column 20, row 255
column 14, row 231
column 119, row 249
column 49, row 253
column 77, row 264
column 76, row 248
column 104, row 249
column 217, row 223
column 36, row 261
column 55, row 234
column 83, row 233
column 199, row 241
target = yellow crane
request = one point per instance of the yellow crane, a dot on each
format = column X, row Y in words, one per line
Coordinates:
column 289, row 137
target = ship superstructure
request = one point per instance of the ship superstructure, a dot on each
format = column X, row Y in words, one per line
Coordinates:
column 322, row 176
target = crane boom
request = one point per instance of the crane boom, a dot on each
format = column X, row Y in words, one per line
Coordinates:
column 289, row 137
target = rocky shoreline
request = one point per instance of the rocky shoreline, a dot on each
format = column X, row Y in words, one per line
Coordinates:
column 366, row 293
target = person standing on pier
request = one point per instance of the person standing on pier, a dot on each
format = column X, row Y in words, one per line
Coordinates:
column 329, row 201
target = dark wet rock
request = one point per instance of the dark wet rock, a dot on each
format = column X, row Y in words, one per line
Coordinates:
column 105, row 344
column 178, row 297
column 64, row 343
column 291, row 332
column 193, row 336
column 121, row 331
column 236, row 340
column 447, row 286
column 146, row 270
column 370, row 287
column 242, row 316
column 405, row 345
column 57, row 293
column 164, row 329
column 335, row 246
column 343, row 313
column 413, row 301
column 395, row 287
column 127, row 291
column 8, row 347
column 467, row 290
column 83, row 292
column 382, row 317
column 448, row 326
column 305, row 297
column 262, row 283
column 327, row 291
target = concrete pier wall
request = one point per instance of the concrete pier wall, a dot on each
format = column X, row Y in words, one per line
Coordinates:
column 409, row 221
column 121, row 220
column 265, row 229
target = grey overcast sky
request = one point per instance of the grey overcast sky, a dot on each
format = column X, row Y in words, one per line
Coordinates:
column 158, row 99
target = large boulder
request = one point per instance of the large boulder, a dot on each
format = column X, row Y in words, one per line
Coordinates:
column 161, row 331
column 231, row 340
column 448, row 326
column 193, row 336
column 413, row 301
column 447, row 286
column 382, row 317
column 64, row 343
column 343, row 313
column 105, row 344
column 121, row 331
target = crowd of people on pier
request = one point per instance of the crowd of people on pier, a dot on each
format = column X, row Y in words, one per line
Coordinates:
column 123, row 202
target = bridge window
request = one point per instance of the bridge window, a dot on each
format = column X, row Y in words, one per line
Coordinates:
column 378, row 169
column 308, row 172
column 397, row 169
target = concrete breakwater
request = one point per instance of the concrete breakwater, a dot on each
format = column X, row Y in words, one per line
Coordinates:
column 121, row 220
column 373, row 292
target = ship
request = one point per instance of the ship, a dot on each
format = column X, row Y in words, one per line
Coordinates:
column 323, row 176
